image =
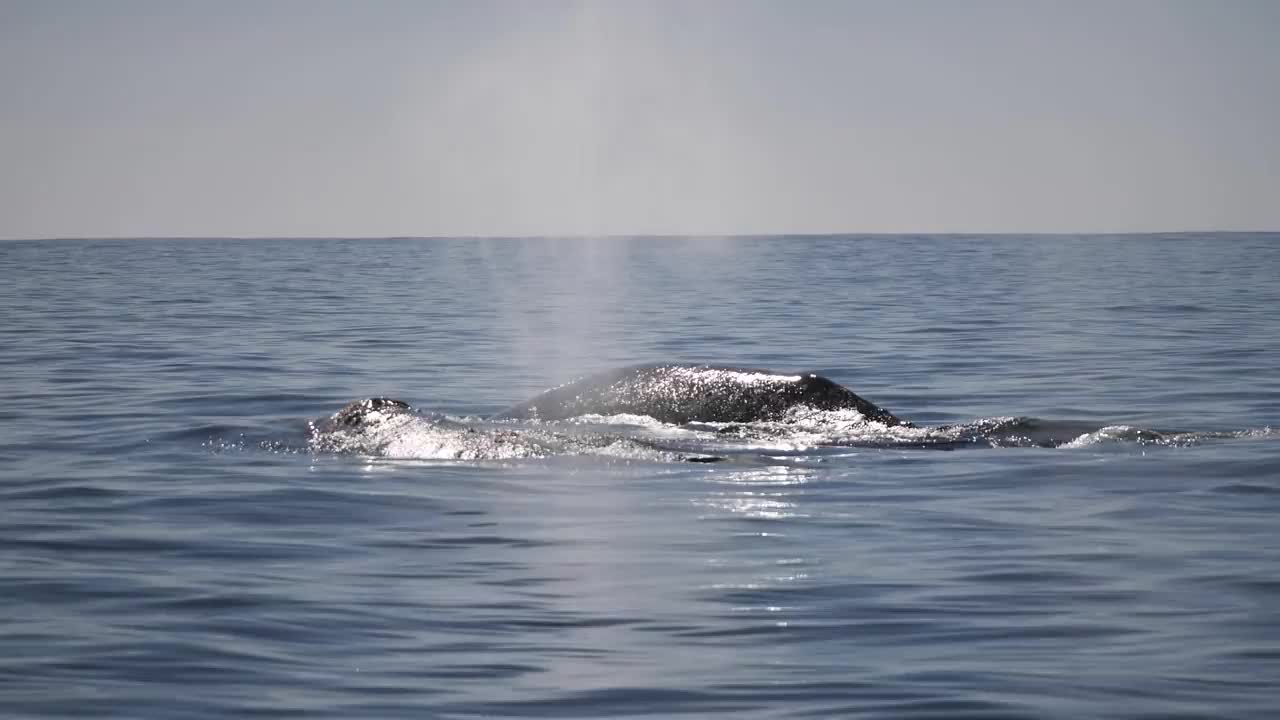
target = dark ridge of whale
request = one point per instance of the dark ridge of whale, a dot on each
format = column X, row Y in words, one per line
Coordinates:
column 681, row 394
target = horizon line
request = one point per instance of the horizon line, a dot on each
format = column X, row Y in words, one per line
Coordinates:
column 641, row 236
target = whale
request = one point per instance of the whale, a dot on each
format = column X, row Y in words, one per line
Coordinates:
column 670, row 393
column 682, row 394
column 733, row 399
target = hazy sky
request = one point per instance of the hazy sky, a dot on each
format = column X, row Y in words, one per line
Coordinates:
column 176, row 118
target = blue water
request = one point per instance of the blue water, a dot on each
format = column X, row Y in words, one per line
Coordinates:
column 172, row 546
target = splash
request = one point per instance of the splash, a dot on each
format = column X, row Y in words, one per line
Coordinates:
column 1129, row 435
column 410, row 436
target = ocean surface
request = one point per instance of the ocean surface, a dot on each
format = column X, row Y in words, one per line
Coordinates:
column 1093, row 532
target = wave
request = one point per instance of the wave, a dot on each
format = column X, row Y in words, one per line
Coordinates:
column 429, row 436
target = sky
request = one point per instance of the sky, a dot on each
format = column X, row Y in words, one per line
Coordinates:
column 169, row 118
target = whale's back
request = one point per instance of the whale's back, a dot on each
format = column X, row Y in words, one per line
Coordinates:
column 699, row 393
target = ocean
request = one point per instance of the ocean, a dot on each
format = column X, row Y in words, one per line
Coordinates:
column 1086, row 523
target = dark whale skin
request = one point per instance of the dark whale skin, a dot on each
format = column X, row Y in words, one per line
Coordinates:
column 682, row 394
